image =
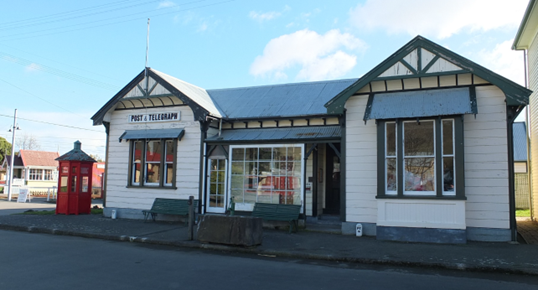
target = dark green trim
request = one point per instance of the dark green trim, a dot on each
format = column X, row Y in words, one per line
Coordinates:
column 314, row 182
column 368, row 109
column 511, row 113
column 472, row 97
column 459, row 158
column 459, row 178
column 515, row 94
column 408, row 66
column 399, row 159
column 154, row 187
column 419, row 61
column 444, row 197
column 105, row 174
column 335, row 150
column 528, row 12
column 144, row 93
column 429, row 65
column 204, row 125
column 422, row 75
column 381, row 186
column 343, row 168
column 438, row 158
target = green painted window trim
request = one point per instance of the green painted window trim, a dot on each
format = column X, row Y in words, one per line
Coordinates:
column 459, row 170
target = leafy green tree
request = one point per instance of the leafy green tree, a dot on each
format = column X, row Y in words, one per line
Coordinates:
column 5, row 149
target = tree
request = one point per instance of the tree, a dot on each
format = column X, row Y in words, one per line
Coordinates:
column 5, row 149
column 27, row 142
column 96, row 157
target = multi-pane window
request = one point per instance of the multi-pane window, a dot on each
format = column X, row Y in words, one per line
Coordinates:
column 42, row 174
column 153, row 163
column 268, row 174
column 420, row 157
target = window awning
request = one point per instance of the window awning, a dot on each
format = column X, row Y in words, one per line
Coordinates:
column 424, row 103
column 301, row 134
column 153, row 134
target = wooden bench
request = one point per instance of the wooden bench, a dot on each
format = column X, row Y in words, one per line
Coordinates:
column 169, row 206
column 278, row 212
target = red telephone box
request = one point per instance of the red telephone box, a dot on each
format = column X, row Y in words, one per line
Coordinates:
column 74, row 182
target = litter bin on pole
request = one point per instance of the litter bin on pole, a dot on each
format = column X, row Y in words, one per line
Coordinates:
column 74, row 182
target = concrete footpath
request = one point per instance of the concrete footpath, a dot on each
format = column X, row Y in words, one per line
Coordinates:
column 473, row 256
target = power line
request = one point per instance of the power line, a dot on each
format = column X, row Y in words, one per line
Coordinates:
column 112, row 23
column 49, row 123
column 57, row 72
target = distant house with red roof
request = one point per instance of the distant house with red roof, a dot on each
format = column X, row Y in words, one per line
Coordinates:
column 34, row 169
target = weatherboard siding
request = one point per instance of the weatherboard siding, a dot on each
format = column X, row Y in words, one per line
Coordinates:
column 533, row 85
column 361, row 163
column 486, row 161
column 188, row 160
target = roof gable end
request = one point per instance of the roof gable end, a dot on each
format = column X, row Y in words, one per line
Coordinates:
column 421, row 58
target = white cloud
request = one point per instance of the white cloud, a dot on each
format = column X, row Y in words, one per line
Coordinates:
column 441, row 19
column 166, row 4
column 265, row 16
column 317, row 56
column 504, row 61
column 32, row 67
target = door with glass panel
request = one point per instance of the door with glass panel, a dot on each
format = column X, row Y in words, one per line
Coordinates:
column 216, row 186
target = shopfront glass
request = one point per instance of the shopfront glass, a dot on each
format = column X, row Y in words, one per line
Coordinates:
column 267, row 173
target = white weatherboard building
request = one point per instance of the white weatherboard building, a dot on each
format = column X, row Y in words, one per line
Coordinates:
column 527, row 40
column 418, row 149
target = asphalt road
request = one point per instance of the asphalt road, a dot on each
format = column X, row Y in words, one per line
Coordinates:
column 41, row 261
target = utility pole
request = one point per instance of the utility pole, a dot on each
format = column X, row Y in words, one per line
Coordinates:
column 13, row 129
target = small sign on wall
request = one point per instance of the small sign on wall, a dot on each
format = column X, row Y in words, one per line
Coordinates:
column 154, row 117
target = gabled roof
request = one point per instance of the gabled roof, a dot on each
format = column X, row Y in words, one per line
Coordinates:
column 38, row 158
column 277, row 101
column 528, row 28
column 421, row 58
column 17, row 160
column 160, row 86
column 520, row 141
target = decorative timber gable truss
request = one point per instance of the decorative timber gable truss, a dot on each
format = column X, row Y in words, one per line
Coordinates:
column 153, row 89
column 421, row 60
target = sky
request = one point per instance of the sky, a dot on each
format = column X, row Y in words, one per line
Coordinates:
column 61, row 61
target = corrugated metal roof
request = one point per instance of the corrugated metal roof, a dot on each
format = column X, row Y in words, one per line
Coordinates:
column 286, row 100
column 273, row 134
column 520, row 141
column 197, row 94
column 152, row 134
column 420, row 104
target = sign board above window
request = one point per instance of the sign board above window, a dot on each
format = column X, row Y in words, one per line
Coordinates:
column 155, row 117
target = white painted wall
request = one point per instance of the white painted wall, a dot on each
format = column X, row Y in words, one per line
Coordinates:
column 486, row 161
column 188, row 160
column 486, row 170
column 532, row 55
column 361, row 163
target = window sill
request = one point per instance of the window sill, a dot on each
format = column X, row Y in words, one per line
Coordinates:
column 154, row 187
column 447, row 197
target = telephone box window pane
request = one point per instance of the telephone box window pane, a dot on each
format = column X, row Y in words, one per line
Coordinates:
column 85, row 183
column 84, row 170
column 73, row 183
column 63, row 184
column 74, row 169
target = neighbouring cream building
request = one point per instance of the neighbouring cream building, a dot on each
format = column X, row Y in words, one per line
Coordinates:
column 418, row 149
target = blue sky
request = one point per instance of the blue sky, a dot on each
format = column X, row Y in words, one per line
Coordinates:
column 60, row 61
